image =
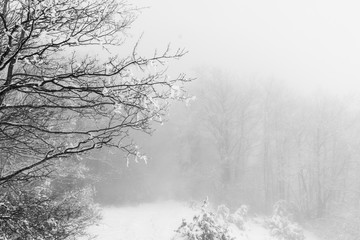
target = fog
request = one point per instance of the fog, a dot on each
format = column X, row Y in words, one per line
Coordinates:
column 311, row 44
column 274, row 114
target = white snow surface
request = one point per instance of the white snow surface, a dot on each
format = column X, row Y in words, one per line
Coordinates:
column 158, row 221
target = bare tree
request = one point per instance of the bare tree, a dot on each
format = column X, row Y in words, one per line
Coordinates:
column 46, row 88
column 57, row 102
column 226, row 106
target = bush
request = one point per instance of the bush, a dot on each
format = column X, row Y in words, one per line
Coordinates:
column 30, row 212
column 280, row 225
column 223, row 213
column 239, row 217
column 204, row 226
column 58, row 207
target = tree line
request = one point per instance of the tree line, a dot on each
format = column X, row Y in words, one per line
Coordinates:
column 260, row 141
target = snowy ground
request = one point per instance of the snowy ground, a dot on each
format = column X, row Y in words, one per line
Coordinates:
column 157, row 221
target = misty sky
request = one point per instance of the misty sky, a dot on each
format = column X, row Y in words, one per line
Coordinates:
column 310, row 43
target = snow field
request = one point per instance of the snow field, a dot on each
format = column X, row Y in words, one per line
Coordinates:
column 158, row 221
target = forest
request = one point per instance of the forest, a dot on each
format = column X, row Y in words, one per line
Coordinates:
column 253, row 142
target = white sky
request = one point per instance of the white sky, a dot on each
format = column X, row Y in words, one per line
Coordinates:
column 311, row 43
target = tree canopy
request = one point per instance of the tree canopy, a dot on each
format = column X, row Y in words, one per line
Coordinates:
column 64, row 90
column 56, row 102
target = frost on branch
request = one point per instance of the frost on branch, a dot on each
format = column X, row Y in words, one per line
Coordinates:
column 50, row 83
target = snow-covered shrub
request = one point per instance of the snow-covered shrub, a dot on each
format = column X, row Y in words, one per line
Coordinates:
column 239, row 217
column 283, row 229
column 29, row 212
column 280, row 225
column 283, row 208
column 60, row 206
column 223, row 213
column 203, row 226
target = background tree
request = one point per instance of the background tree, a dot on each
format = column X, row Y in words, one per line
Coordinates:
column 58, row 101
column 220, row 128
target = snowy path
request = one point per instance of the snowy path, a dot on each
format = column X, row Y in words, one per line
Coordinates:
column 157, row 221
column 144, row 222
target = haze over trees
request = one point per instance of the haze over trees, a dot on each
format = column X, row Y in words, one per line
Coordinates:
column 302, row 146
column 255, row 142
column 59, row 100
column 272, row 143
